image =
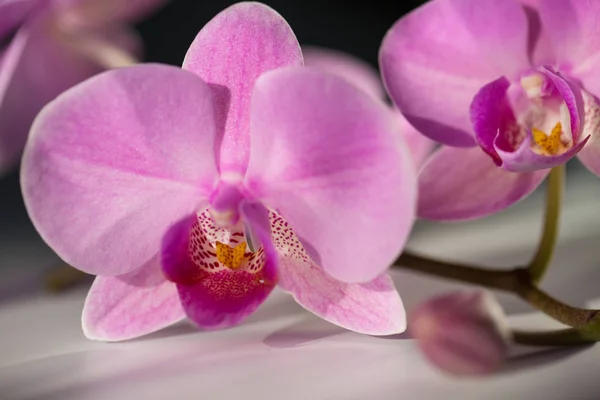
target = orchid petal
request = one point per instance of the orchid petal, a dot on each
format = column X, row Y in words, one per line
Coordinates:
column 114, row 161
column 434, row 60
column 491, row 115
column 590, row 154
column 230, row 52
column 331, row 160
column 35, row 69
column 82, row 14
column 540, row 46
column 524, row 159
column 353, row 69
column 459, row 184
column 365, row 77
column 571, row 95
column 374, row 308
column 420, row 147
column 25, row 87
column 213, row 295
column 131, row 305
column 572, row 26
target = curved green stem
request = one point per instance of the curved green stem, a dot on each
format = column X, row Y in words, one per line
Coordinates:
column 545, row 251
column 517, row 281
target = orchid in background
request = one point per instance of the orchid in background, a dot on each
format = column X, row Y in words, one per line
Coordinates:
column 47, row 46
column 463, row 333
column 365, row 77
column 509, row 87
column 196, row 191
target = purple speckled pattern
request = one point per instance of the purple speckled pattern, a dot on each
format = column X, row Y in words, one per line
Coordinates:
column 148, row 163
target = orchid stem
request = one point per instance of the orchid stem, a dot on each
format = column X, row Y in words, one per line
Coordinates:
column 516, row 281
column 555, row 190
column 560, row 337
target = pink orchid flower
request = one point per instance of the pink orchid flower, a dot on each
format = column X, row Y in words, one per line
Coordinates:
column 47, row 46
column 194, row 192
column 509, row 87
column 365, row 77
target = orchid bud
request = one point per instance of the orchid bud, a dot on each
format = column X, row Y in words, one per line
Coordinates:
column 463, row 333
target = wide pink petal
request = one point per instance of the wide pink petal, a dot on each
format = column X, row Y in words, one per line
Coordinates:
column 355, row 70
column 365, row 77
column 572, row 26
column 82, row 14
column 373, row 308
column 230, row 52
column 213, row 295
column 131, row 305
column 114, row 161
column 434, row 59
column 331, row 159
column 458, row 184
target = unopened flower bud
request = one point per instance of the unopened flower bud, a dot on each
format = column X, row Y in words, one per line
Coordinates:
column 463, row 333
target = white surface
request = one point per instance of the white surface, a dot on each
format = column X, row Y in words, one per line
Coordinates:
column 283, row 352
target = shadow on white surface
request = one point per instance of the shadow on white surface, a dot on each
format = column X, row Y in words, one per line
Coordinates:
column 285, row 352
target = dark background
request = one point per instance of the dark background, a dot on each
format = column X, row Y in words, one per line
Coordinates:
column 356, row 27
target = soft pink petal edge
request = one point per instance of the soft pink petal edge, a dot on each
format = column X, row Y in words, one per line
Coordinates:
column 331, row 160
column 424, row 69
column 132, row 305
column 103, row 170
column 373, row 308
column 230, row 52
column 460, row 184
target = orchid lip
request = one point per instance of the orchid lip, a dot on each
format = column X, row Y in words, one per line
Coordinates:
column 531, row 124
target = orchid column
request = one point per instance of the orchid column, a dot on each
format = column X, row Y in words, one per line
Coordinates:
column 194, row 192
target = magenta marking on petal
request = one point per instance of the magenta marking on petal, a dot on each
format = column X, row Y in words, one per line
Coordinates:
column 215, row 295
column 492, row 116
column 224, row 299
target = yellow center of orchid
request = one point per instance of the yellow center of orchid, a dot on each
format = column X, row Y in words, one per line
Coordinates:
column 231, row 257
column 551, row 144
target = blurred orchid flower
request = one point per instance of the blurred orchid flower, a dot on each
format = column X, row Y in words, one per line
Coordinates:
column 463, row 333
column 47, row 46
column 365, row 77
column 194, row 192
column 509, row 87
